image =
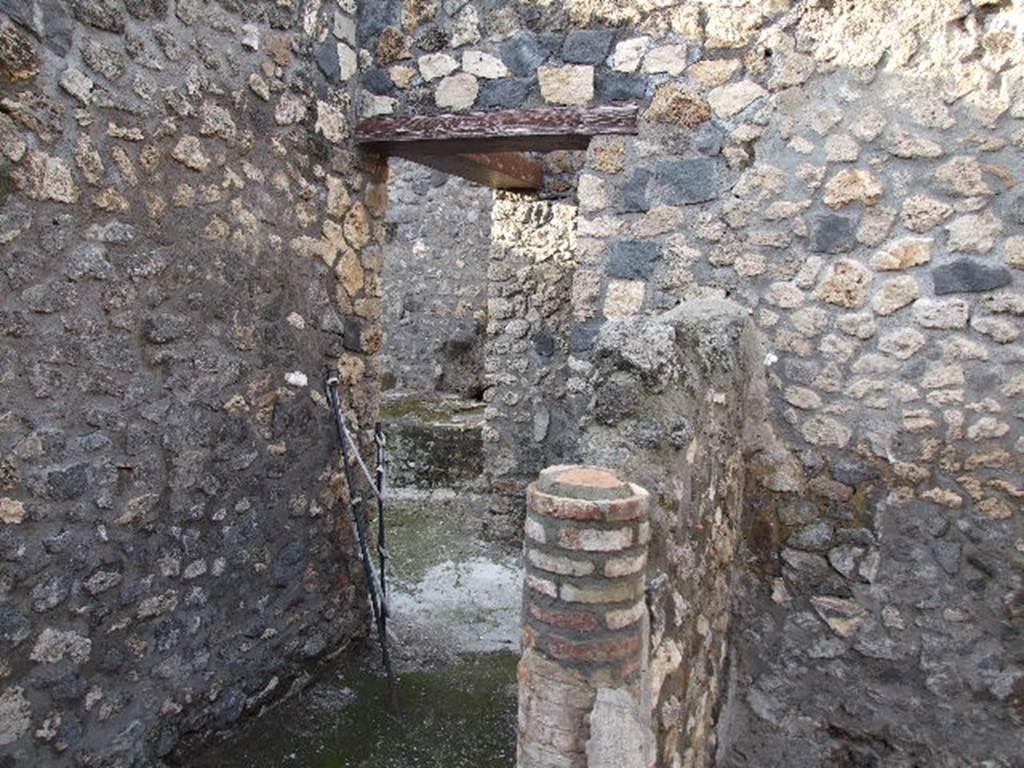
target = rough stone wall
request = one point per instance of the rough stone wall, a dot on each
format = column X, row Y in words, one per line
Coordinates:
column 529, row 421
column 848, row 171
column 435, row 270
column 181, row 219
column 671, row 398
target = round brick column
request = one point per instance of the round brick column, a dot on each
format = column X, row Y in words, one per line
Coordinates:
column 585, row 620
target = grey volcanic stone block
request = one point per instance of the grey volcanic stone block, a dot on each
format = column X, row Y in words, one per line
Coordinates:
column 815, row 537
column 582, row 337
column 632, row 259
column 378, row 81
column 686, row 182
column 544, row 344
column 19, row 11
column 618, row 87
column 634, row 192
column 851, row 471
column 54, row 27
column 327, row 60
column 1016, row 210
column 969, row 276
column 524, row 53
column 374, row 17
column 504, row 93
column 587, row 46
column 832, row 233
column 708, row 139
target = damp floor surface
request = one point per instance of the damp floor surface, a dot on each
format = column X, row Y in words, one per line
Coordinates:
column 455, row 630
column 458, row 716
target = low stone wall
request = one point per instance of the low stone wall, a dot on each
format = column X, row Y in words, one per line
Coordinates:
column 582, row 680
column 673, row 397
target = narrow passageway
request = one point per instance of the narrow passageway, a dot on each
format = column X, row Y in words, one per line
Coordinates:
column 456, row 572
column 455, row 604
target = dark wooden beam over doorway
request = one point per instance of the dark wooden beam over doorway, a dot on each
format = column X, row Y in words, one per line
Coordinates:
column 486, row 147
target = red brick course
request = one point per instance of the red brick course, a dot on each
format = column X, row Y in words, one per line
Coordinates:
column 565, row 619
column 594, row 651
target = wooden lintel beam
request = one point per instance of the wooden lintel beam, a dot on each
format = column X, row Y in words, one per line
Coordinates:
column 539, row 130
column 498, row 170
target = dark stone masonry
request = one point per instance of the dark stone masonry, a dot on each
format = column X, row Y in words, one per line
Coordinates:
column 171, row 557
column 789, row 308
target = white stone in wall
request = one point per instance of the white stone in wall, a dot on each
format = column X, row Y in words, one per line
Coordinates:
column 251, row 36
column 402, row 75
column 15, row 715
column 77, row 84
column 794, row 69
column 962, row 176
column 43, row 177
column 466, row 30
column 483, row 65
column 435, row 65
column 291, row 109
column 1014, row 250
column 620, row 735
column 627, row 54
column 987, row 428
column 852, row 186
column 921, row 213
column 822, row 119
column 348, row 62
column 668, row 59
column 974, row 233
column 331, row 122
column 592, row 193
column 941, row 313
column 12, row 512
column 869, row 124
column 944, row 376
column 570, row 85
column 730, row 100
column 841, row 148
column 875, row 225
column 904, row 253
column 902, row 343
column 711, row 73
column 999, row 330
column 53, row 645
column 896, row 294
column 750, row 264
column 374, row 105
column 344, row 28
column 457, row 92
column 784, row 295
column 624, row 299
column 846, row 284
column 860, row 326
column 803, row 398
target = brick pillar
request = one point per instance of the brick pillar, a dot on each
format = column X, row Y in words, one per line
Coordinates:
column 583, row 699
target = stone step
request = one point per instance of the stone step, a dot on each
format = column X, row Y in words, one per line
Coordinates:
column 433, row 441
